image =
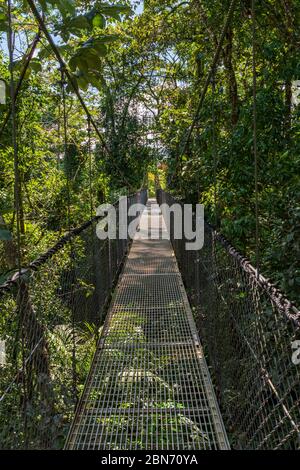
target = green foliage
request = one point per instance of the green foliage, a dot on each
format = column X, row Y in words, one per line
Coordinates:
column 186, row 36
column 114, row 61
column 95, row 52
column 154, row 64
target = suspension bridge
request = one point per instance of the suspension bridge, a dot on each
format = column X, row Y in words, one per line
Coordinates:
column 149, row 386
column 188, row 349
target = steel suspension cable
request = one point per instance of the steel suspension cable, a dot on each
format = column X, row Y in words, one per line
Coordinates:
column 214, row 149
column 206, row 85
column 71, row 80
column 26, row 64
column 65, row 146
column 63, row 67
column 90, row 169
column 255, row 153
column 210, row 73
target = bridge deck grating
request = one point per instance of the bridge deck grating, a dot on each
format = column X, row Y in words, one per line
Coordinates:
column 149, row 385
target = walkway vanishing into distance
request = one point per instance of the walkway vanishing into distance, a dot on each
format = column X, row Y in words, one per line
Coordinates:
column 149, row 385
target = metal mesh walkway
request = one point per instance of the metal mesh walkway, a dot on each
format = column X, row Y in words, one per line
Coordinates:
column 149, row 386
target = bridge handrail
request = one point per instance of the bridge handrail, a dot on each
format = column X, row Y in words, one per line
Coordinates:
column 250, row 330
column 43, row 258
column 283, row 303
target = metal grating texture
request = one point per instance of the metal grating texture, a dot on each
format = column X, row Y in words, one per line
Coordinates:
column 149, row 386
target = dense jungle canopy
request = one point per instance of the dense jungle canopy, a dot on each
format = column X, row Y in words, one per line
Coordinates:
column 140, row 68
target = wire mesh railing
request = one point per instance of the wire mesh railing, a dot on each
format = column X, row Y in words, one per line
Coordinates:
column 50, row 317
column 149, row 386
column 248, row 329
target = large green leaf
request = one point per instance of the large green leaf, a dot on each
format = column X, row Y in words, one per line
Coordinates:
column 79, row 21
column 78, row 61
column 93, row 60
column 100, row 49
column 99, row 21
column 94, row 81
column 83, row 82
column 35, row 65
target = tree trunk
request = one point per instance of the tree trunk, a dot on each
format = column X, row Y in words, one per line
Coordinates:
column 231, row 78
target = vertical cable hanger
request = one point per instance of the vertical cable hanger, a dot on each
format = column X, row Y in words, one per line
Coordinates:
column 255, row 153
column 214, row 149
column 72, row 254
column 17, row 194
column 215, row 62
column 91, row 201
column 65, row 145
column 41, row 21
column 90, row 168
column 59, row 132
